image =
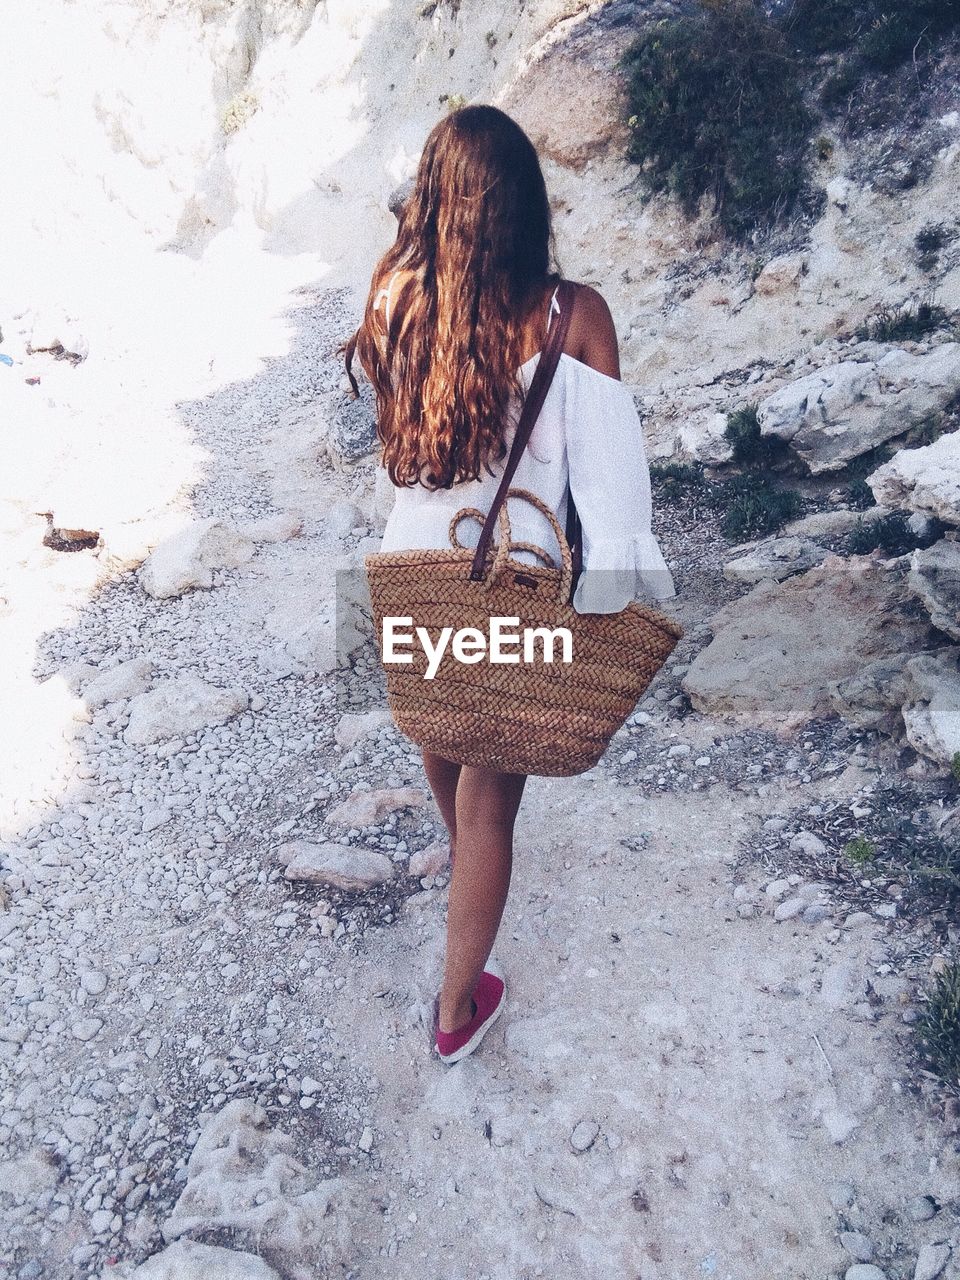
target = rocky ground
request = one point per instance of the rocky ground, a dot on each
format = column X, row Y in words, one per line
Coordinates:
column 213, row 1056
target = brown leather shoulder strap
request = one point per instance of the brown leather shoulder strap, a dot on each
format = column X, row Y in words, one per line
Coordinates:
column 533, row 403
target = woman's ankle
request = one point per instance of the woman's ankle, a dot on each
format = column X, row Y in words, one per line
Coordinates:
column 451, row 1019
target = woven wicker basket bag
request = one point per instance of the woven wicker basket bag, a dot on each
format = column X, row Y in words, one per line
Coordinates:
column 545, row 717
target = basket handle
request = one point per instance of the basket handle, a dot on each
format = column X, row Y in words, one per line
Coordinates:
column 506, row 543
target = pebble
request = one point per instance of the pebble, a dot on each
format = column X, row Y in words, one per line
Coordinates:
column 921, row 1209
column 584, row 1135
column 789, row 908
column 365, row 1142
column 93, row 982
column 86, row 1028
column 859, row 1246
column 864, row 1271
column 931, row 1261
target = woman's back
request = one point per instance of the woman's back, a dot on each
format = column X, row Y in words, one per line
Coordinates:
column 587, row 436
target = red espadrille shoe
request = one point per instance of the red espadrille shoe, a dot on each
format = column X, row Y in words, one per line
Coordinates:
column 489, row 997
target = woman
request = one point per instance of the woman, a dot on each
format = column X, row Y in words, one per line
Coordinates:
column 457, row 313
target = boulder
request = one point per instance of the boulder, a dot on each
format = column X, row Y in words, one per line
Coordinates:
column 873, row 697
column 244, row 1183
column 935, row 578
column 189, row 558
column 179, row 707
column 118, row 683
column 846, row 409
column 832, row 524
column 778, row 651
column 187, row 1260
column 339, row 865
column 931, row 713
column 367, row 808
column 704, row 439
column 353, row 727
column 926, row 479
column 777, row 558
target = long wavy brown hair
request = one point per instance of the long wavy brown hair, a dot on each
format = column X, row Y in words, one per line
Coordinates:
column 475, row 237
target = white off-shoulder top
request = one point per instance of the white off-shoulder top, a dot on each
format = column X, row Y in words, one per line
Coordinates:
column 588, row 434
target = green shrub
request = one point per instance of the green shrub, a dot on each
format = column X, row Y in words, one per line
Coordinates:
column 717, row 112
column 938, row 1027
column 929, row 240
column 891, row 533
column 753, row 507
column 906, row 321
column 859, row 850
column 749, row 447
column 674, row 479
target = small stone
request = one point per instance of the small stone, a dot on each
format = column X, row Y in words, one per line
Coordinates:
column 859, row 1246
column 931, row 1261
column 922, row 1209
column 807, row 842
column 365, row 1142
column 86, row 1028
column 340, row 865
column 788, row 909
column 367, row 808
column 777, row 888
column 430, row 861
column 864, row 1271
column 584, row 1135
column 93, row 982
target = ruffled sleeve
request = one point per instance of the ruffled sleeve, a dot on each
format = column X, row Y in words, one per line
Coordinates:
column 610, row 483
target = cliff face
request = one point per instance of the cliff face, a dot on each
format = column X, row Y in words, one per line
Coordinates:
column 289, row 123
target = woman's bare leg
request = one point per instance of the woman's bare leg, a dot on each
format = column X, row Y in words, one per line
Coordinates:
column 486, row 808
column 443, row 777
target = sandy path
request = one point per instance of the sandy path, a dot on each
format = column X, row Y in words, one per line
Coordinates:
column 690, row 1039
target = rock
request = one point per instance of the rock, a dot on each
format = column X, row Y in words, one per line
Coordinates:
column 24, row 1177
column 367, row 808
column 859, row 1246
column 704, row 439
column 931, row 712
column 243, row 1177
column 781, row 275
column 342, row 517
column 832, row 524
column 808, row 843
column 188, row 1260
column 922, row 1209
column 179, row 707
column 352, row 728
column 335, row 864
column 584, row 1135
column 399, row 196
column 564, row 99
column 350, row 426
column 846, row 409
column 119, row 683
column 789, row 908
column 365, row 1141
column 931, row 1261
column 774, row 558
column 926, row 479
column 281, row 526
column 189, row 558
column 864, row 1271
column 778, row 651
column 842, row 985
column 86, row 1028
column 872, row 697
column 430, row 861
column 935, row 578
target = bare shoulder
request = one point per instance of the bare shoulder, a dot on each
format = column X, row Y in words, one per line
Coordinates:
column 593, row 335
